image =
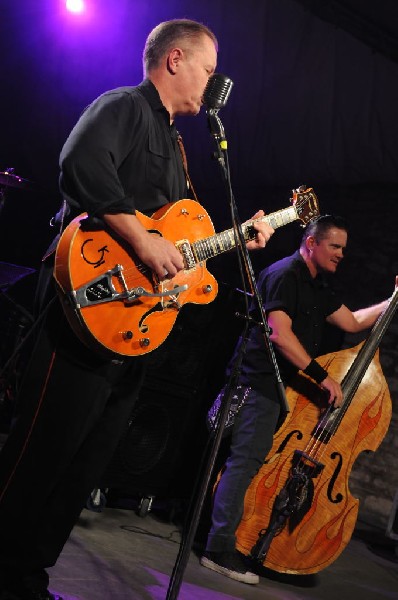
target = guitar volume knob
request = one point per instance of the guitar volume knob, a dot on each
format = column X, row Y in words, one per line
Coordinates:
column 127, row 335
column 207, row 288
column 144, row 342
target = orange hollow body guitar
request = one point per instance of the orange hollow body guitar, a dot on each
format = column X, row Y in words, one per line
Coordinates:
column 116, row 304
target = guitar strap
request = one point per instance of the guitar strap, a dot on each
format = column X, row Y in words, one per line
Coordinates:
column 185, row 165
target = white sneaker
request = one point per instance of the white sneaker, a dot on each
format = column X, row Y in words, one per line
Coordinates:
column 231, row 564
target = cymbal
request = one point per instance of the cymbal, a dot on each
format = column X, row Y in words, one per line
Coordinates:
column 12, row 180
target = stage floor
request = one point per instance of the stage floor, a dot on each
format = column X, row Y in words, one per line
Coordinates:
column 118, row 555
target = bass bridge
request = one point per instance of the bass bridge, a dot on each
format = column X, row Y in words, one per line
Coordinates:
column 291, row 504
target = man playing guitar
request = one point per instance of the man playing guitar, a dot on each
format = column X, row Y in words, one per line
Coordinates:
column 121, row 157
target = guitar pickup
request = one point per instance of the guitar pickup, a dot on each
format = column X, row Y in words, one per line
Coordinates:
column 187, row 254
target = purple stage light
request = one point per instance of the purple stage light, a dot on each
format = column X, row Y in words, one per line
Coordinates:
column 75, row 6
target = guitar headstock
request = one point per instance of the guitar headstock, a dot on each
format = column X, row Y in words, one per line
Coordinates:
column 305, row 202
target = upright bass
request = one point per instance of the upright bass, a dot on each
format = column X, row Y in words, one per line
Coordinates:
column 299, row 514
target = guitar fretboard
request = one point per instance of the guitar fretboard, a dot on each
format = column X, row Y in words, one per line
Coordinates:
column 225, row 241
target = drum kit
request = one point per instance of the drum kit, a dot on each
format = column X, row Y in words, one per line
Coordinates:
column 9, row 179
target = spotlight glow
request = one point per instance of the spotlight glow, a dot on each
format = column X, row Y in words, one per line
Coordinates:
column 75, row 6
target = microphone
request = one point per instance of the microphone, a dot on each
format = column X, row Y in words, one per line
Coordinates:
column 217, row 91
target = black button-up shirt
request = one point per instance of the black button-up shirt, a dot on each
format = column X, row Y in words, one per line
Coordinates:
column 122, row 155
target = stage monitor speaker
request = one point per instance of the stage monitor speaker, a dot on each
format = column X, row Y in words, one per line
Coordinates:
column 165, row 438
column 159, row 452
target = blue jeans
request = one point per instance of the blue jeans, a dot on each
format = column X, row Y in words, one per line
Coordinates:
column 250, row 443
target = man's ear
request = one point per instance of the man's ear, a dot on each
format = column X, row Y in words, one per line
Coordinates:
column 310, row 242
column 173, row 59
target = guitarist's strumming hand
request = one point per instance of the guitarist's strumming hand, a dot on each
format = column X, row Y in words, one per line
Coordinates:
column 264, row 232
column 160, row 255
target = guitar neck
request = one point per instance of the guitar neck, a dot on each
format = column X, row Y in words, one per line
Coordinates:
column 225, row 241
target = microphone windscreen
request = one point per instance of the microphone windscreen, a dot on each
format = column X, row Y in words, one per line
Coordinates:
column 217, row 91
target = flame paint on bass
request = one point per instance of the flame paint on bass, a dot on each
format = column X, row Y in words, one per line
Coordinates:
column 299, row 514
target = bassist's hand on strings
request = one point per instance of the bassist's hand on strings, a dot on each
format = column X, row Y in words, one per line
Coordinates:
column 334, row 390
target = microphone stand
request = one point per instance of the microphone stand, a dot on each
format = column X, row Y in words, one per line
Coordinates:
column 217, row 131
column 198, row 496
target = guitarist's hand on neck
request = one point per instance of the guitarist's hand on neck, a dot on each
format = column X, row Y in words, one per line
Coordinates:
column 264, row 232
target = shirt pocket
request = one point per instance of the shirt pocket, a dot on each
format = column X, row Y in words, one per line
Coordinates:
column 158, row 162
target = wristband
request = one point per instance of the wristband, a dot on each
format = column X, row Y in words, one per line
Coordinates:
column 315, row 371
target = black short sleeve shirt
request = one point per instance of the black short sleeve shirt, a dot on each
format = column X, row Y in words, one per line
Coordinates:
column 288, row 285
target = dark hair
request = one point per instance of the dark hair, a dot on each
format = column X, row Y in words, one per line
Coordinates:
column 165, row 35
column 319, row 227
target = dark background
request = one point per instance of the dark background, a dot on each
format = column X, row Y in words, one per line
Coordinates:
column 314, row 102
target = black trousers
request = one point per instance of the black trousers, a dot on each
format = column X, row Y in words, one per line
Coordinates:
column 72, row 410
